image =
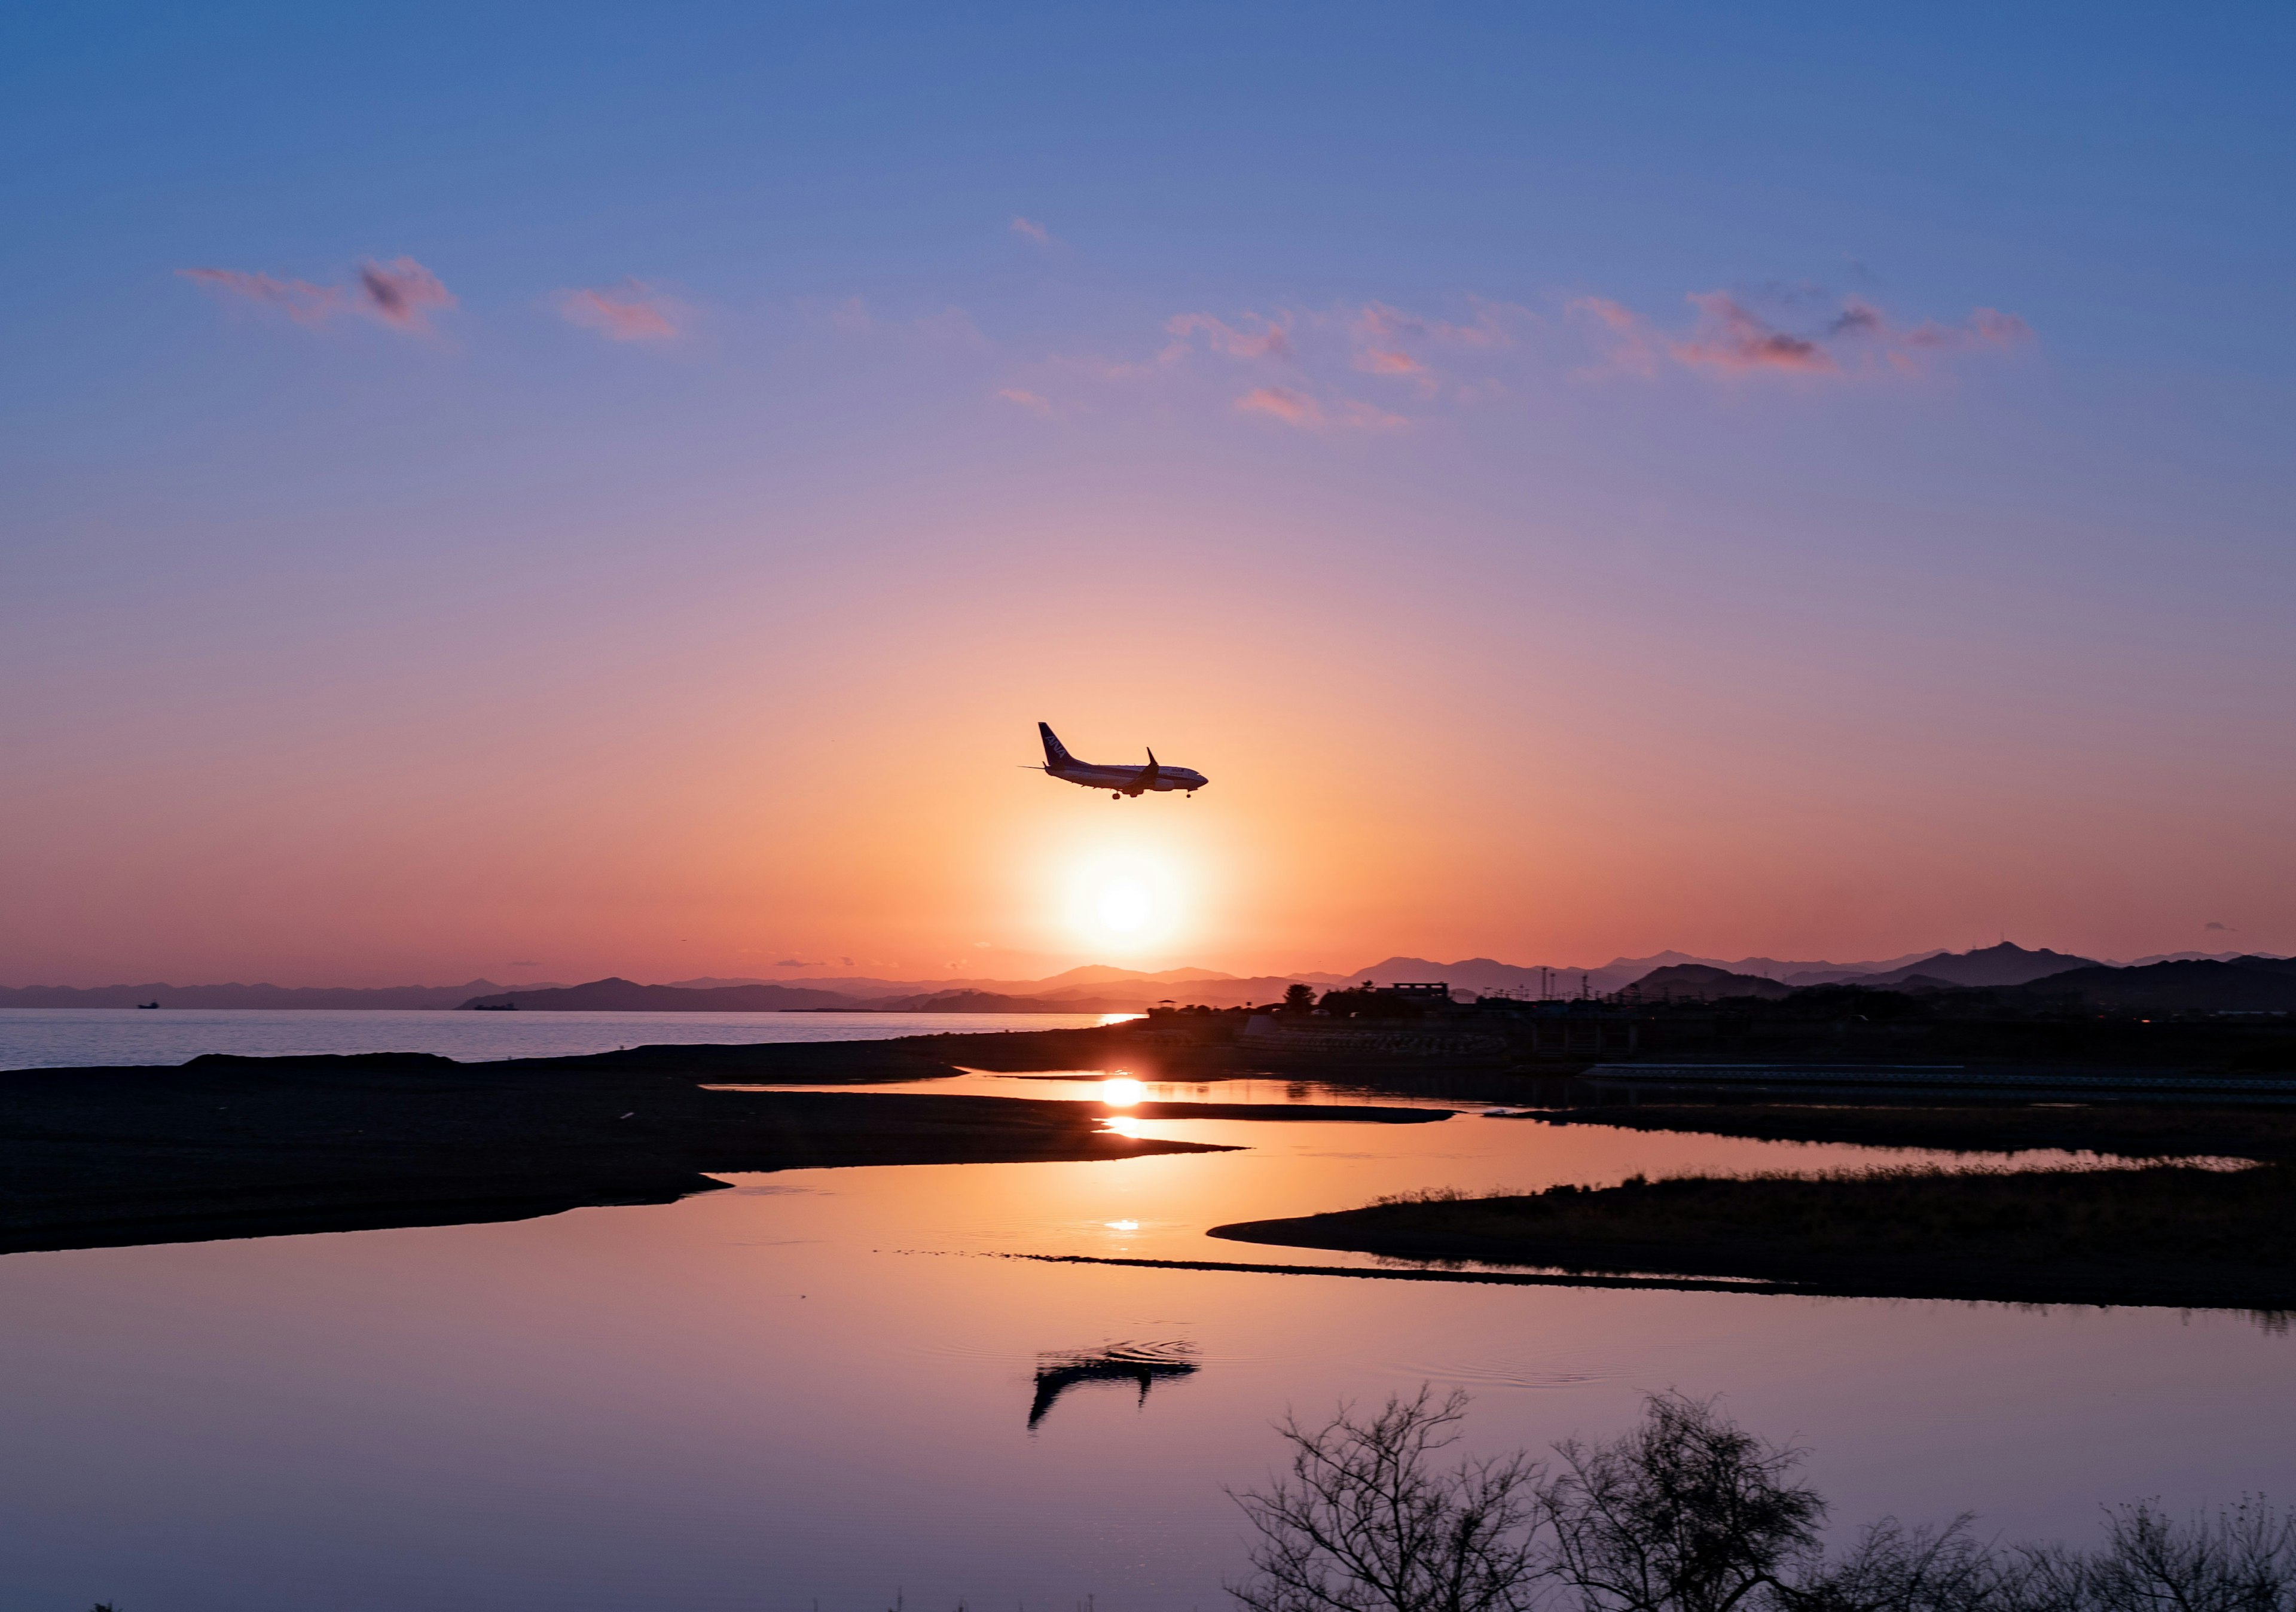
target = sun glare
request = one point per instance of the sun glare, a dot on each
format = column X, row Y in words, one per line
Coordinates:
column 1124, row 904
column 1121, row 1092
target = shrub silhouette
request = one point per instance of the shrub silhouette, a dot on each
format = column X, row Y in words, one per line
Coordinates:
column 1687, row 1512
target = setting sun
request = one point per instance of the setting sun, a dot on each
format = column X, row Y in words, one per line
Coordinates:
column 1125, row 906
column 1124, row 902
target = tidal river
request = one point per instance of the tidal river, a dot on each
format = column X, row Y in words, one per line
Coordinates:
column 831, row 1387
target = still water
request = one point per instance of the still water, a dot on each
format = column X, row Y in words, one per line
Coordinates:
column 818, row 1387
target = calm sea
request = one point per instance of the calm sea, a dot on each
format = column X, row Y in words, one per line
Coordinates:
column 816, row 1389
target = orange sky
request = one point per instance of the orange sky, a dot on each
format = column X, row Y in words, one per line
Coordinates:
column 591, row 774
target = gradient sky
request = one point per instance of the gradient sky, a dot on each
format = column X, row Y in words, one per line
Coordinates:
column 549, row 492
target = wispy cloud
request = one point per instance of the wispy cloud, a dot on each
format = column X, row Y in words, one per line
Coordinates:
column 631, row 311
column 1387, row 361
column 1308, row 361
column 299, row 299
column 1035, row 402
column 1629, row 344
column 1731, row 335
column 1815, row 336
column 1272, row 339
column 401, row 294
column 1282, row 403
column 1305, row 412
column 1381, row 332
column 1030, row 230
column 1317, row 347
column 1984, row 327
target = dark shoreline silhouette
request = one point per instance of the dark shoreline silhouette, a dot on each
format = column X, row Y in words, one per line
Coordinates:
column 227, row 1146
column 2162, row 1235
column 238, row 1147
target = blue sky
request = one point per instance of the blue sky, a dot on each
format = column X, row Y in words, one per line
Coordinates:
column 1981, row 584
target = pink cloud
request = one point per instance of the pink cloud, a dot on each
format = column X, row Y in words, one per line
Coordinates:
column 1035, row 402
column 1282, row 403
column 1031, row 230
column 1732, row 337
column 299, row 299
column 1387, row 361
column 1303, row 412
column 632, row 311
column 1627, row 334
column 1377, row 325
column 1272, row 340
column 400, row 293
column 1391, row 342
column 1367, row 417
column 1985, row 327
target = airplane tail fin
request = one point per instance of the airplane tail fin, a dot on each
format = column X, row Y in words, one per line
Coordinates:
column 1056, row 754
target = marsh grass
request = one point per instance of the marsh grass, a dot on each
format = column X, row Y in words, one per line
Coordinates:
column 2243, row 1217
column 2187, row 1235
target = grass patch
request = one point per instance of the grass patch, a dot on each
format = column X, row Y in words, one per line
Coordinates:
column 2163, row 1235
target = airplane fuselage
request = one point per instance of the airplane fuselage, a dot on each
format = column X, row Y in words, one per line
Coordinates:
column 1129, row 781
column 1155, row 778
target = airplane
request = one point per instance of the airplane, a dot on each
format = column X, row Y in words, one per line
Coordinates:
column 1118, row 781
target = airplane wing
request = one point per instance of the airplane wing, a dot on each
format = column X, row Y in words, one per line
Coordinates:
column 1147, row 780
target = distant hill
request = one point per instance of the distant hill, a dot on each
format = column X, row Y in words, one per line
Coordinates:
column 992, row 1001
column 250, row 995
column 2249, row 985
column 1913, row 984
column 627, row 996
column 1078, row 988
column 1221, row 992
column 2006, row 964
column 1696, row 982
column 1483, row 975
column 1094, row 986
column 1099, row 973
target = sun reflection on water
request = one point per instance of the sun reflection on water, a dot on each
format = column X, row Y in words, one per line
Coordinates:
column 1121, row 1091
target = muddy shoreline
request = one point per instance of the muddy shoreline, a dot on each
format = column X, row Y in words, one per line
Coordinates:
column 244, row 1147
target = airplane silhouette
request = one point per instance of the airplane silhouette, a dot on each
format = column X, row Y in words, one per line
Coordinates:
column 1119, row 781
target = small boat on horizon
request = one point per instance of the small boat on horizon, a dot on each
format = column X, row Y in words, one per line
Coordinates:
column 147, row 1004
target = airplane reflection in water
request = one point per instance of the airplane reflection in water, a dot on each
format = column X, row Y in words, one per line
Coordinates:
column 1133, row 1362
